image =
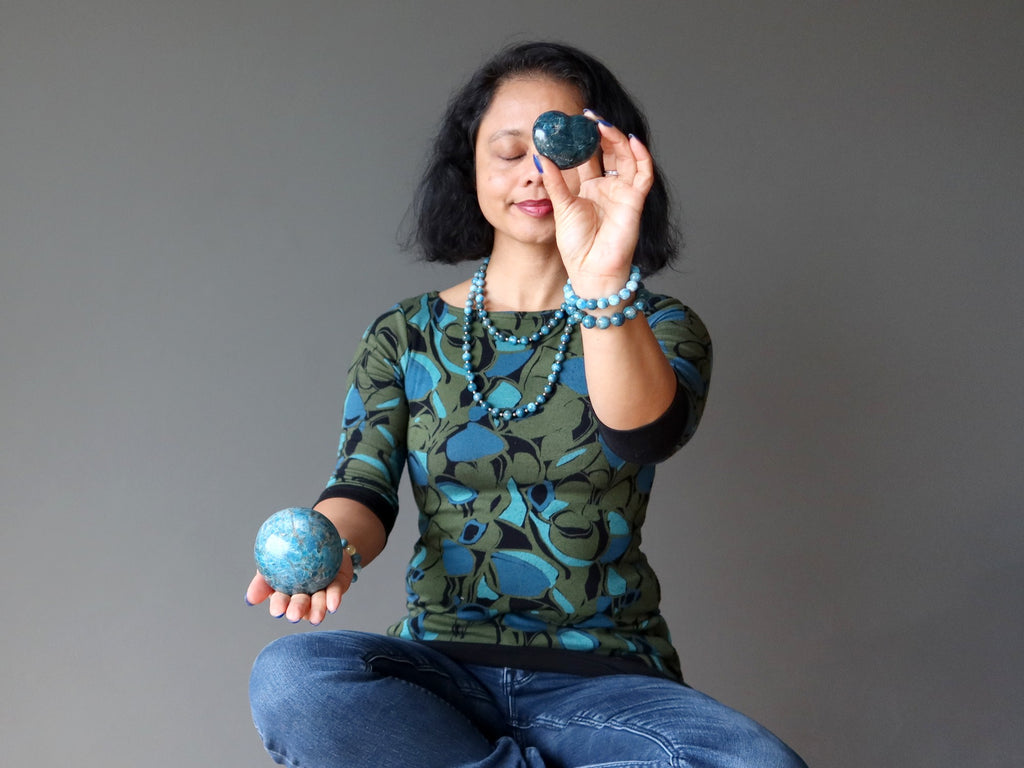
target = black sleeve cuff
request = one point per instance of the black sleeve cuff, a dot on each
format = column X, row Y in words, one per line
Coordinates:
column 654, row 442
column 385, row 512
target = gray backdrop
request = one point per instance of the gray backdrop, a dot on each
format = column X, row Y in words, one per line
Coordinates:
column 198, row 210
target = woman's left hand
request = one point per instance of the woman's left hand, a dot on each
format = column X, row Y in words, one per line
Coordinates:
column 597, row 229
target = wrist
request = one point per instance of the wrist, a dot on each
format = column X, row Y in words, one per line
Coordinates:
column 588, row 285
column 612, row 307
column 357, row 561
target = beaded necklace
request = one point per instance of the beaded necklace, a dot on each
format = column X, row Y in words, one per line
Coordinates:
column 475, row 309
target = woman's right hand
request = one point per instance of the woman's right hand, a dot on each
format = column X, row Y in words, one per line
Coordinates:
column 295, row 608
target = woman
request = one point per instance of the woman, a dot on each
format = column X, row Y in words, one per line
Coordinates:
column 530, row 425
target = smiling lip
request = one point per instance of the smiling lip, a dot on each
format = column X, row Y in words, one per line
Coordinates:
column 536, row 208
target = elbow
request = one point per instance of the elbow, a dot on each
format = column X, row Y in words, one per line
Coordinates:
column 655, row 442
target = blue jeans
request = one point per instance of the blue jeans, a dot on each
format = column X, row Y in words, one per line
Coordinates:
column 354, row 699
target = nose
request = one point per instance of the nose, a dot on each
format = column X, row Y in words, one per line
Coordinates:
column 533, row 167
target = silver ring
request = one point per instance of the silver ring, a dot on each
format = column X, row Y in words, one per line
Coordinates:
column 611, row 173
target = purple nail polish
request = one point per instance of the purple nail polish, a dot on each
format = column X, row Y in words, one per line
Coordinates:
column 536, row 162
column 246, row 598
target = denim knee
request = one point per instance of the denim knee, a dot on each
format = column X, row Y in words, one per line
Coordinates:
column 318, row 699
column 278, row 680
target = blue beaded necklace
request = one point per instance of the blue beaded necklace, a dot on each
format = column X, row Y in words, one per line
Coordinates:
column 475, row 309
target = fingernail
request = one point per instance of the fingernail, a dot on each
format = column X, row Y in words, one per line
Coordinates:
column 632, row 135
column 536, row 162
column 246, row 598
column 600, row 120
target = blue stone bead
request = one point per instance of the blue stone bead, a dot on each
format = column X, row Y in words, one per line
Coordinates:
column 630, row 312
column 589, row 321
column 566, row 140
column 602, row 303
column 298, row 551
column 625, row 293
column 603, row 322
column 618, row 319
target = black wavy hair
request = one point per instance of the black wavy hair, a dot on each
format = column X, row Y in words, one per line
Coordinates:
column 447, row 225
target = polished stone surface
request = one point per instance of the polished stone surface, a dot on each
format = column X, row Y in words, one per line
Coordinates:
column 298, row 551
column 566, row 140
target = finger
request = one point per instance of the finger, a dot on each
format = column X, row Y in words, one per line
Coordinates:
column 317, row 607
column 644, row 178
column 607, row 156
column 258, row 590
column 298, row 608
column 279, row 604
column 335, row 590
column 616, row 153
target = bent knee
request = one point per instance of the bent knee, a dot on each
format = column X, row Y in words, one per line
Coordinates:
column 756, row 745
column 293, row 670
column 276, row 677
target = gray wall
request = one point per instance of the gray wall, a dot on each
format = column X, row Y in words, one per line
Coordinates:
column 198, row 209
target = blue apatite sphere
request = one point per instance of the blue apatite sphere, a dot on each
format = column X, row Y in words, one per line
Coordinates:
column 298, row 551
column 566, row 140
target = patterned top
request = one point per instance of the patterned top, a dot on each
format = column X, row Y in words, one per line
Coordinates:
column 529, row 530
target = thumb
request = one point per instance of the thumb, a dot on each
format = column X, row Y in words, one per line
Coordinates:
column 554, row 183
column 337, row 588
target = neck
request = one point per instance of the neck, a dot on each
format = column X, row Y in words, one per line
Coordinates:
column 528, row 280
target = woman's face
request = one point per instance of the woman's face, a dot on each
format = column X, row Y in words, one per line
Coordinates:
column 508, row 184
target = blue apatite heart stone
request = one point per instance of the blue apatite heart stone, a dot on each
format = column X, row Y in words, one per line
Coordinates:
column 298, row 551
column 566, row 140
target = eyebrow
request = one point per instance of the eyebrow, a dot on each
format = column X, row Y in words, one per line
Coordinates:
column 503, row 133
